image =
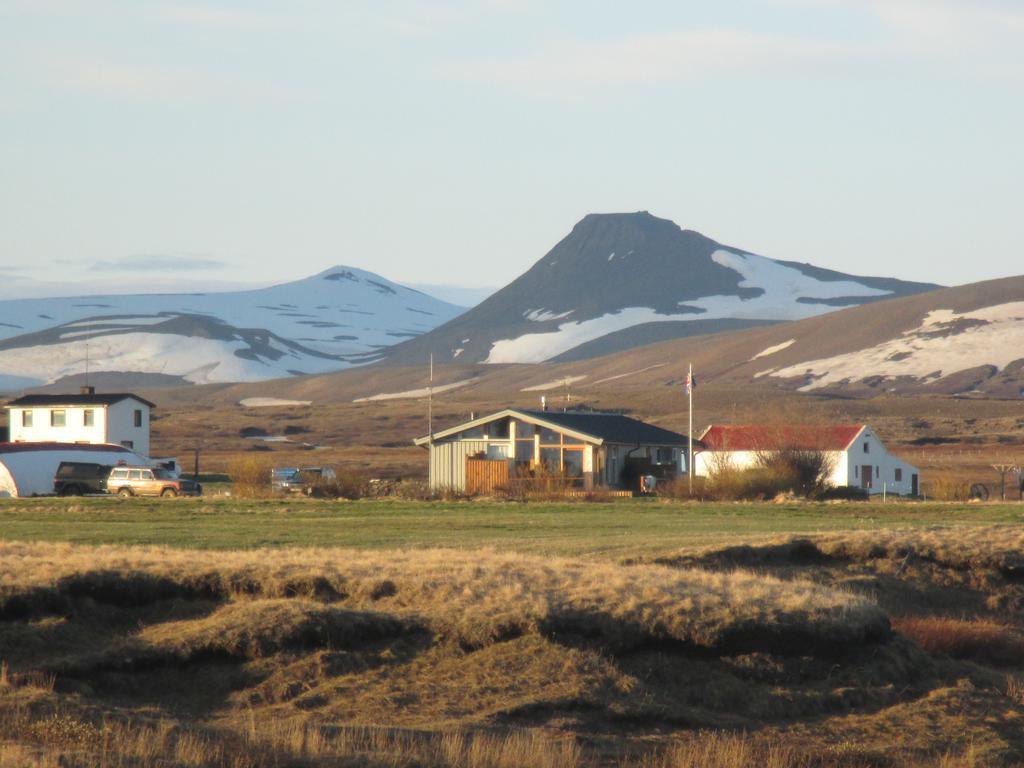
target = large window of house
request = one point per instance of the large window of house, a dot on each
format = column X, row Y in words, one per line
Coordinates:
column 664, row 456
column 559, row 453
column 58, row 418
column 26, row 418
column 572, row 462
column 138, row 417
column 88, row 417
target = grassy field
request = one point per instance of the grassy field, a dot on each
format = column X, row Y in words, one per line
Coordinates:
column 630, row 634
column 616, row 528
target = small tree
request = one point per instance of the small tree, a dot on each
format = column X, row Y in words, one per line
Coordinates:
column 800, row 458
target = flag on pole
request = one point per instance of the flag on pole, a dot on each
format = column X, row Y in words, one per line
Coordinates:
column 691, row 382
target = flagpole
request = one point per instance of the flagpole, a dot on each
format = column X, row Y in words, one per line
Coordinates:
column 430, row 423
column 689, row 432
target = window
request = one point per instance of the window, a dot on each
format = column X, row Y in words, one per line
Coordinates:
column 525, row 429
column 899, row 475
column 58, row 418
column 26, row 418
column 128, row 443
column 119, row 474
column 524, row 451
column 88, row 417
column 497, row 451
column 865, row 447
column 876, row 471
column 134, row 474
column 572, row 460
column 664, row 456
column 551, row 458
column 856, row 470
column 498, row 429
column 138, row 417
column 550, row 437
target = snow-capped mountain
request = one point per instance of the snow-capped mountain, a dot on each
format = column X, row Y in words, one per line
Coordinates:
column 340, row 317
column 622, row 280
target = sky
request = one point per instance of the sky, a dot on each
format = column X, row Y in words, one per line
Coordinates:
column 161, row 145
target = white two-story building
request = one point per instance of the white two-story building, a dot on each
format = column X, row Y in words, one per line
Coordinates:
column 118, row 418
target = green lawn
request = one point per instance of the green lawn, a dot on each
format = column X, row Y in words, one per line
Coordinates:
column 619, row 528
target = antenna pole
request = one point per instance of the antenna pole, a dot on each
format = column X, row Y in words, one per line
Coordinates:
column 689, row 431
column 430, row 423
column 87, row 363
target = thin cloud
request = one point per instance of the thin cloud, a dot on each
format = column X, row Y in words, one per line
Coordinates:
column 92, row 74
column 218, row 18
column 160, row 263
column 660, row 58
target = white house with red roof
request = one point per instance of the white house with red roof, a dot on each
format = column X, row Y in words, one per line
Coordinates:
column 859, row 458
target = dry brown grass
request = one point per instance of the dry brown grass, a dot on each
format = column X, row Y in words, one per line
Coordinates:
column 472, row 597
column 978, row 639
column 479, row 659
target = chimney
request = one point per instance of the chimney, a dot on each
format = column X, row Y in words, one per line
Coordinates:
column 87, row 390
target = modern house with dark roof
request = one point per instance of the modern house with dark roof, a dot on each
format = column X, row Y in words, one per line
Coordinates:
column 857, row 457
column 589, row 449
column 110, row 418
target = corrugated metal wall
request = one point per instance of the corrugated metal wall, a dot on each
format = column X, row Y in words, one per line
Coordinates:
column 448, row 468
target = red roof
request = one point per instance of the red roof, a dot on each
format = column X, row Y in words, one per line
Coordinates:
column 763, row 437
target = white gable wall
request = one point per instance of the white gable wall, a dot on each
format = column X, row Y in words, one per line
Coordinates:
column 882, row 464
column 121, row 427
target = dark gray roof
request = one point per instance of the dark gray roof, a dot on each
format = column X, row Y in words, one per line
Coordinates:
column 51, row 400
column 610, row 427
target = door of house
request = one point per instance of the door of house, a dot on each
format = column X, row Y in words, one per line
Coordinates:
column 866, row 473
column 913, row 484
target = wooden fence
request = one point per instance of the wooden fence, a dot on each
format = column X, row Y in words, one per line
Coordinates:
column 485, row 475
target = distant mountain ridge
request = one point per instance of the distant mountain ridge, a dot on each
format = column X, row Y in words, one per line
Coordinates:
column 340, row 317
column 627, row 279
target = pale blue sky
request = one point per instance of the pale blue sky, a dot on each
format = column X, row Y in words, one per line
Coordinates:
column 213, row 143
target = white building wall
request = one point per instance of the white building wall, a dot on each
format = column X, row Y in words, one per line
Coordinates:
column 883, row 466
column 73, row 431
column 121, row 425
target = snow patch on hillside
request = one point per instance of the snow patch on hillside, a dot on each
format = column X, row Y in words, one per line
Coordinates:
column 540, row 315
column 413, row 393
column 198, row 360
column 271, row 402
column 565, row 381
column 629, row 373
column 774, row 349
column 781, row 286
column 944, row 343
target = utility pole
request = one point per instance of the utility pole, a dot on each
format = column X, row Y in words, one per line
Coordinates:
column 689, row 431
column 430, row 423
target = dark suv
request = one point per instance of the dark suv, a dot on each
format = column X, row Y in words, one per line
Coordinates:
column 76, row 478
